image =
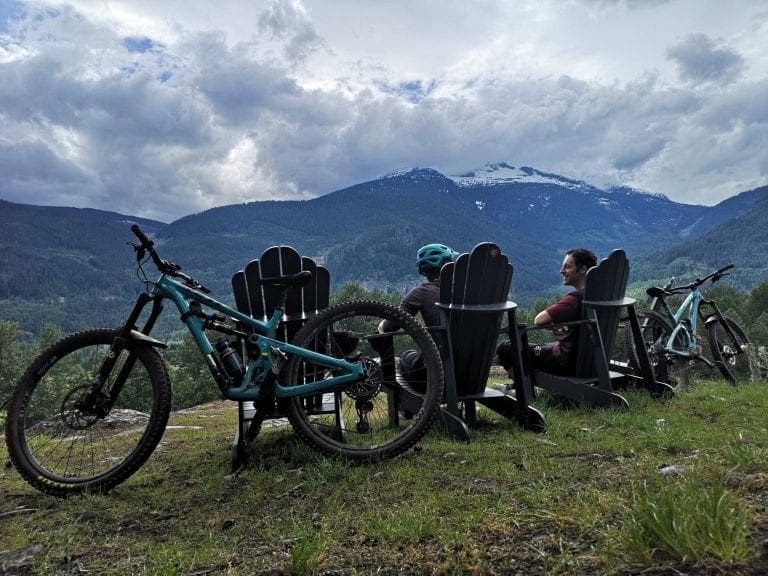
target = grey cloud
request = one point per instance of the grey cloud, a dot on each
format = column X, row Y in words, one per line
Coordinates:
column 699, row 59
column 96, row 122
column 35, row 163
column 637, row 153
column 289, row 22
column 630, row 4
column 240, row 89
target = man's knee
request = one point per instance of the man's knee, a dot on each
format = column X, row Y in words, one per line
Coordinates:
column 545, row 357
column 504, row 354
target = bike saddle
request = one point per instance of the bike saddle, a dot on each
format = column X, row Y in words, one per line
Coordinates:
column 289, row 281
column 656, row 292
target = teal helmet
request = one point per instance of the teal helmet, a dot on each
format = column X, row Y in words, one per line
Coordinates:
column 430, row 258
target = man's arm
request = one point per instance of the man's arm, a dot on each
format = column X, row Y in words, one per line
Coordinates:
column 408, row 304
column 566, row 309
column 542, row 318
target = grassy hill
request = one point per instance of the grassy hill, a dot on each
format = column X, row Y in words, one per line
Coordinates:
column 596, row 494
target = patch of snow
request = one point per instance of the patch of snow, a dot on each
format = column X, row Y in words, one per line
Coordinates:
column 503, row 173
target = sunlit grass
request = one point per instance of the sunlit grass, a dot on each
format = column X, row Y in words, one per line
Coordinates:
column 666, row 484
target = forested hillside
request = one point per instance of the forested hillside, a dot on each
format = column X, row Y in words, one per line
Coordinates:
column 742, row 240
column 73, row 267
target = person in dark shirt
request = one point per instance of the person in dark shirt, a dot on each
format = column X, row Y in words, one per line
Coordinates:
column 422, row 300
column 559, row 357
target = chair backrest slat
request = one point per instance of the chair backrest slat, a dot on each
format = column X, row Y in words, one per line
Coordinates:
column 480, row 277
column 259, row 300
column 605, row 282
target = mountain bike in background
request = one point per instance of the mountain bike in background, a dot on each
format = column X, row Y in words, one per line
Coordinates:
column 91, row 409
column 673, row 340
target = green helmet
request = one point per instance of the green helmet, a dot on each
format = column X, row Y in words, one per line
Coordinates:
column 430, row 258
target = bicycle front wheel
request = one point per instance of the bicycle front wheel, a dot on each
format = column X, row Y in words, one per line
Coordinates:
column 657, row 330
column 365, row 421
column 732, row 356
column 64, row 444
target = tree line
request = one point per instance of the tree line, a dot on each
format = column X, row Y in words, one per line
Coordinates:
column 192, row 383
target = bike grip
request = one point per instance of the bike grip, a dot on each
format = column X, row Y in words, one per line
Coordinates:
column 140, row 235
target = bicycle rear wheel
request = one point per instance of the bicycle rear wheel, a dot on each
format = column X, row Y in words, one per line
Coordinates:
column 656, row 331
column 731, row 356
column 62, row 446
column 362, row 422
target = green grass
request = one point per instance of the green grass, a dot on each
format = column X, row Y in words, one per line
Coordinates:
column 691, row 520
column 588, row 497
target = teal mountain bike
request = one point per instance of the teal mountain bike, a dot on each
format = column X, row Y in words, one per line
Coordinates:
column 672, row 336
column 91, row 409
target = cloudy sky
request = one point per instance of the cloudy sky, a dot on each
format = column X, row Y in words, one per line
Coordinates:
column 164, row 108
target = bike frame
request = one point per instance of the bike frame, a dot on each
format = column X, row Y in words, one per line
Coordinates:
column 688, row 310
column 685, row 322
column 260, row 371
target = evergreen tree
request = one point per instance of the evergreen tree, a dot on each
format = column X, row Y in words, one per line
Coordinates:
column 11, row 361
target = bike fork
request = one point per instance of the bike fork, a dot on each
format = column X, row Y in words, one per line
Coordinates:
column 97, row 401
column 717, row 316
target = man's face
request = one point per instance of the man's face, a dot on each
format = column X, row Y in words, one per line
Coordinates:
column 571, row 274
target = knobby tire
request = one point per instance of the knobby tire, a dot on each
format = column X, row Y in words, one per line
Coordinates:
column 63, row 450
column 359, row 423
column 731, row 358
column 656, row 331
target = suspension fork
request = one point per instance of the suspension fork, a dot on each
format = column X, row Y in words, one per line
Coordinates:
column 96, row 400
column 717, row 316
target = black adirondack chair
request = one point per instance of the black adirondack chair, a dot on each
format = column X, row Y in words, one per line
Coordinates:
column 473, row 304
column 259, row 301
column 594, row 381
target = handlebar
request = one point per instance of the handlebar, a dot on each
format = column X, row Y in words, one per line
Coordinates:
column 714, row 277
column 145, row 242
column 164, row 266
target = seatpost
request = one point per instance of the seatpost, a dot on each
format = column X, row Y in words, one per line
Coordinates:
column 657, row 299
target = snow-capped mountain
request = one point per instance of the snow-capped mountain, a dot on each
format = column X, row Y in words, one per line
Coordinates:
column 503, row 173
column 369, row 233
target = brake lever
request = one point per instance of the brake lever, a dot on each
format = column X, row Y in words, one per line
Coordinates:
column 140, row 251
column 171, row 266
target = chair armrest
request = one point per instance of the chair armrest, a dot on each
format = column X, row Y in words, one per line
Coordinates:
column 621, row 303
column 528, row 328
column 480, row 308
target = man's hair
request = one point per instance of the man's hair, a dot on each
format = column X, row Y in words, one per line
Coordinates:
column 582, row 257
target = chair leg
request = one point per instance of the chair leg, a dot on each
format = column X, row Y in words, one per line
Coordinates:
column 526, row 416
column 239, row 452
column 648, row 378
column 470, row 412
column 392, row 407
column 453, row 425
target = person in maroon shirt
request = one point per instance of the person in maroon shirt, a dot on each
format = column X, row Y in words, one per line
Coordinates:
column 559, row 357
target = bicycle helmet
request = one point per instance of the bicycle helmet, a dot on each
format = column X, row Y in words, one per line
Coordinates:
column 430, row 258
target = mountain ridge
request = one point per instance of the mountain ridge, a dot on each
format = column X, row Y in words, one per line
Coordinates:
column 369, row 233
